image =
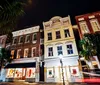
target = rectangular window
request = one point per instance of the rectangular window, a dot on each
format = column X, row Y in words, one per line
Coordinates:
column 67, row 34
column 12, row 54
column 34, row 52
column 21, row 39
column 49, row 36
column 84, row 27
column 27, row 39
column 59, row 50
column 95, row 25
column 26, row 53
column 50, row 51
column 18, row 53
column 69, row 49
column 58, row 35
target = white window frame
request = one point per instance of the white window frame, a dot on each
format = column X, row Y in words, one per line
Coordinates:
column 25, row 51
column 20, row 39
column 32, row 51
column 14, row 40
column 72, row 48
column 18, row 52
column 48, row 50
column 34, row 41
column 84, row 30
column 26, row 39
column 98, row 25
column 67, row 33
column 60, row 50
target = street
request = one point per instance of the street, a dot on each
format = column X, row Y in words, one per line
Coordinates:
column 26, row 83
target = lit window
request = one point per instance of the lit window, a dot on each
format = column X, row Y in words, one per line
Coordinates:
column 59, row 50
column 49, row 36
column 95, row 25
column 58, row 35
column 21, row 39
column 27, row 40
column 84, row 27
column 69, row 49
column 34, row 36
column 67, row 34
column 12, row 54
column 14, row 40
column 18, row 53
column 26, row 53
column 34, row 52
column 50, row 51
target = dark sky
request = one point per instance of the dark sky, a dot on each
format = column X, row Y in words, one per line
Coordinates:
column 42, row 10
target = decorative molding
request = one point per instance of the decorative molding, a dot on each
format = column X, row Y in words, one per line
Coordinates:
column 80, row 19
column 90, row 17
column 26, row 31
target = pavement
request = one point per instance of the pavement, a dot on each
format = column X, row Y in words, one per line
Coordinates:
column 43, row 83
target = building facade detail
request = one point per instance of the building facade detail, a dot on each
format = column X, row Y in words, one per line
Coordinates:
column 59, row 40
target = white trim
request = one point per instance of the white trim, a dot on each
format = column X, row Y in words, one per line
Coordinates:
column 18, row 52
column 34, row 41
column 26, row 49
column 98, row 25
column 32, row 51
column 26, row 39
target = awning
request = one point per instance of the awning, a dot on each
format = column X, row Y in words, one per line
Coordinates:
column 21, row 65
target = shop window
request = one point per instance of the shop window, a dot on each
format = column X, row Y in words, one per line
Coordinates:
column 10, row 73
column 18, row 53
column 18, row 73
column 30, row 73
column 50, row 51
column 84, row 27
column 49, row 36
column 58, row 36
column 50, row 72
column 27, row 39
column 67, row 34
column 69, row 49
column 34, row 52
column 26, row 52
column 95, row 25
column 21, row 39
column 59, row 50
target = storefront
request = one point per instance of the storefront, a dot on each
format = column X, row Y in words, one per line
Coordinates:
column 28, row 71
column 53, row 71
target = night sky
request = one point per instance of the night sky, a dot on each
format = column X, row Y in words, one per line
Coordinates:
column 43, row 10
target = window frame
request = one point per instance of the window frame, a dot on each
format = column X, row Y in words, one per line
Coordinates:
column 70, row 49
column 59, row 34
column 19, row 50
column 97, row 24
column 25, row 51
column 26, row 37
column 20, row 39
column 67, row 33
column 14, row 41
column 32, row 51
column 61, row 50
column 51, row 52
column 50, row 36
column 84, row 30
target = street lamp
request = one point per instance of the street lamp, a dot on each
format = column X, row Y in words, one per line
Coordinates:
column 60, row 57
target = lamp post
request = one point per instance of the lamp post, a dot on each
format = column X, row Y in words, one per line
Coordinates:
column 60, row 57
